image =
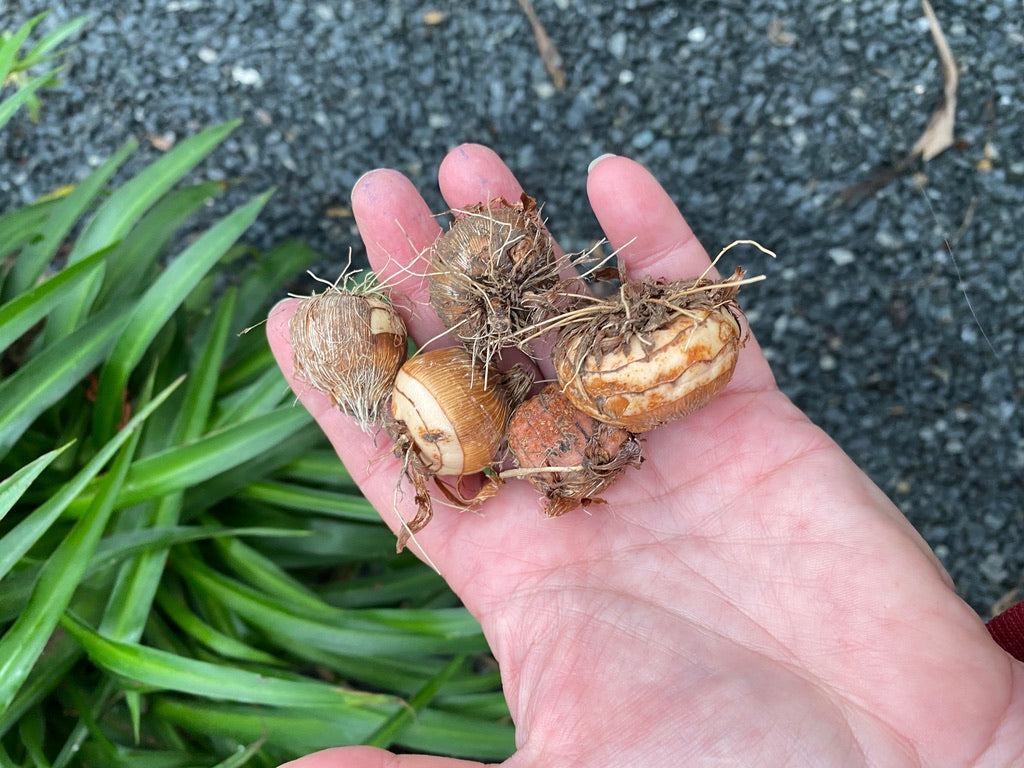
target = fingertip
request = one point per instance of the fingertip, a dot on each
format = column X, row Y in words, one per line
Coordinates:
column 396, row 224
column 378, row 184
column 641, row 220
column 597, row 160
column 472, row 173
column 284, row 308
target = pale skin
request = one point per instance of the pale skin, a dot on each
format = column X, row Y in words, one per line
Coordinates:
column 747, row 597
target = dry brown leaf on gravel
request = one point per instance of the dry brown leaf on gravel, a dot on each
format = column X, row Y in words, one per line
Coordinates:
column 548, row 52
column 938, row 135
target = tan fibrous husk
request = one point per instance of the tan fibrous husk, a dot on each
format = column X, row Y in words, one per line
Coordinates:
column 350, row 344
column 548, row 431
column 494, row 273
column 450, row 418
column 655, row 352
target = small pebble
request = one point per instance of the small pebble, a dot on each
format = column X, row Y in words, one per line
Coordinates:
column 841, row 256
column 247, row 76
column 697, row 35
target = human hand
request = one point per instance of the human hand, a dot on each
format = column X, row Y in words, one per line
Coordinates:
column 746, row 597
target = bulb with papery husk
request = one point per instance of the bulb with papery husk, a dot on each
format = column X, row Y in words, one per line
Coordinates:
column 494, row 274
column 350, row 345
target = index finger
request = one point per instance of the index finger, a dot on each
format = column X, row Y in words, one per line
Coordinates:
column 398, row 228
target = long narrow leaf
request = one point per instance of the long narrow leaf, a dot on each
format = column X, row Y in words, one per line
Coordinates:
column 131, row 598
column 266, row 276
column 247, row 367
column 21, row 97
column 347, row 506
column 225, row 645
column 48, row 376
column 216, row 489
column 17, row 587
column 199, row 394
column 20, row 314
column 153, row 669
column 264, row 573
column 304, row 731
column 132, row 595
column 61, row 655
column 30, row 733
column 23, row 536
column 9, row 47
column 21, row 646
column 21, row 226
column 131, row 262
column 442, row 732
column 158, row 304
column 119, row 214
column 12, row 488
column 261, row 396
column 42, row 50
column 332, row 543
column 89, row 706
column 243, row 756
column 320, row 468
column 298, row 731
column 185, row 466
column 384, row 736
column 35, row 256
column 358, row 633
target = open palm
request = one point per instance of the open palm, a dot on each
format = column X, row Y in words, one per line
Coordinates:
column 746, row 597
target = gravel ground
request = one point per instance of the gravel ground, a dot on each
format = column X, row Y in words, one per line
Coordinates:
column 755, row 115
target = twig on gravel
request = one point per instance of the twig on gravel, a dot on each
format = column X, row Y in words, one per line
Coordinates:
column 548, row 52
column 938, row 135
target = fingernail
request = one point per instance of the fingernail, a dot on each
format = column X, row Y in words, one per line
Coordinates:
column 598, row 159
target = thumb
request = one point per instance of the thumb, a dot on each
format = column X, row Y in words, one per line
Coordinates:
column 371, row 757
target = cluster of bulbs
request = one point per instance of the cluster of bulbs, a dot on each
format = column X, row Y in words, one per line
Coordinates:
column 650, row 352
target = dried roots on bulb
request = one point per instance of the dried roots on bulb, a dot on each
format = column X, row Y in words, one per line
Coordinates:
column 350, row 343
column 494, row 274
column 450, row 419
column 655, row 352
column 582, row 455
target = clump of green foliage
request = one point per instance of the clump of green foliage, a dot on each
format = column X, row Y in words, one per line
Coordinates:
column 188, row 577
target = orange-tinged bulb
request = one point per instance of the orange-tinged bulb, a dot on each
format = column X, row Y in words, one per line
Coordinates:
column 658, row 352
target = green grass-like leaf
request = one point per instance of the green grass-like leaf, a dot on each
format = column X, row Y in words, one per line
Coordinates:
column 46, row 48
column 33, row 259
column 13, row 69
column 51, row 374
column 153, row 669
column 20, row 314
column 156, row 306
column 14, row 486
column 185, row 466
column 21, row 226
column 204, row 586
column 22, row 97
column 11, row 44
column 123, row 209
column 58, row 579
column 21, row 538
